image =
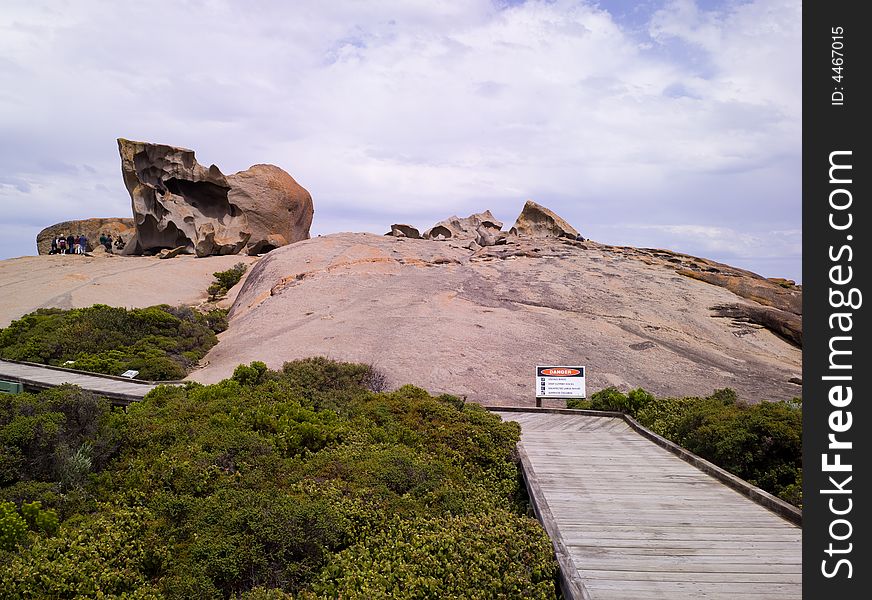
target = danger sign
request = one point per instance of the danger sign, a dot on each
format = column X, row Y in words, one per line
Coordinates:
column 560, row 382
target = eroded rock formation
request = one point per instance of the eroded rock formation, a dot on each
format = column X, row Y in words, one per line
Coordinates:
column 91, row 228
column 537, row 221
column 483, row 229
column 403, row 230
column 179, row 202
column 470, row 228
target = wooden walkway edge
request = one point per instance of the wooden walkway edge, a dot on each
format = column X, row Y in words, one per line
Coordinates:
column 571, row 584
column 632, row 518
column 39, row 377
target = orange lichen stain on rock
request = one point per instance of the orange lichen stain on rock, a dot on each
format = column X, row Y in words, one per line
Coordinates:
column 413, row 262
column 348, row 264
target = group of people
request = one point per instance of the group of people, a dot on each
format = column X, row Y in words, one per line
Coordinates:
column 106, row 241
column 70, row 244
column 78, row 244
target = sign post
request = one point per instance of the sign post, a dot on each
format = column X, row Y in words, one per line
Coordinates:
column 563, row 382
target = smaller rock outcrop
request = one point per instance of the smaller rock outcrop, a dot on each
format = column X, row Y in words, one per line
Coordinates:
column 537, row 221
column 90, row 228
column 403, row 230
column 787, row 325
column 167, row 253
column 470, row 228
column 483, row 229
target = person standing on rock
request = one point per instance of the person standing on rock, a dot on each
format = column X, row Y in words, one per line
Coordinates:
column 62, row 244
column 71, row 244
column 54, row 246
column 83, row 243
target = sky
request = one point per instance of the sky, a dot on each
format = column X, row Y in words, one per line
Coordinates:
column 658, row 123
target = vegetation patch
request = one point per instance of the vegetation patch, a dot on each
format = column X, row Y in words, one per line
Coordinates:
column 301, row 483
column 761, row 443
column 224, row 280
column 161, row 342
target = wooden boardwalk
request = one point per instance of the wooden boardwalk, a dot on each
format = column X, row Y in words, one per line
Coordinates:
column 631, row 520
column 37, row 377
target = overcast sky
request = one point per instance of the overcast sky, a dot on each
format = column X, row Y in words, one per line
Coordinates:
column 673, row 123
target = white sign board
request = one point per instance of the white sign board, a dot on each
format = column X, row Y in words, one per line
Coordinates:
column 131, row 373
column 560, row 382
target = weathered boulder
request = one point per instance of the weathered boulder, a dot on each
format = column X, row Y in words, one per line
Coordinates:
column 786, row 324
column 403, row 230
column 178, row 202
column 91, row 228
column 487, row 236
column 167, row 253
column 279, row 210
column 470, row 228
column 537, row 221
column 749, row 285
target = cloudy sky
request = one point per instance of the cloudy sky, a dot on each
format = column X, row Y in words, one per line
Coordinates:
column 667, row 123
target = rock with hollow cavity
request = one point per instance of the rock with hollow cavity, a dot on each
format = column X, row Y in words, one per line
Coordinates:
column 537, row 221
column 455, row 228
column 403, row 230
column 179, row 202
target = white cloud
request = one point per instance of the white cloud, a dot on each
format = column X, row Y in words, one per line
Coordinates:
column 410, row 111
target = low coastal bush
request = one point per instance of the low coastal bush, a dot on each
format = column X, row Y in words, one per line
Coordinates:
column 761, row 443
column 224, row 280
column 299, row 483
column 161, row 342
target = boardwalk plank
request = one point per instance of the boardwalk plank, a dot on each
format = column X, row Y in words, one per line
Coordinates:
column 639, row 522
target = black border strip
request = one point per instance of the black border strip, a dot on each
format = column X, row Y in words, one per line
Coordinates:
column 836, row 106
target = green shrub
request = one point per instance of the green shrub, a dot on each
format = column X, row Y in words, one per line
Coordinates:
column 609, row 398
column 51, row 444
column 224, row 280
column 47, row 493
column 761, row 443
column 103, row 555
column 161, row 342
column 638, row 399
column 664, row 416
column 216, row 320
column 250, row 374
column 271, row 484
column 454, row 401
column 497, row 555
column 580, row 403
column 13, row 527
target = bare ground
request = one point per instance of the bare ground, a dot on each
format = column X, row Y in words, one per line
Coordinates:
column 71, row 281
